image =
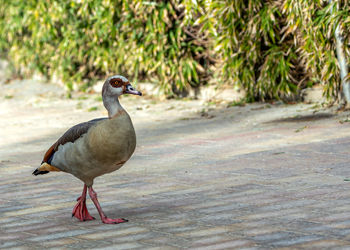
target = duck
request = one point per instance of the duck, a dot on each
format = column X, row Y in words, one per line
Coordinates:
column 96, row 147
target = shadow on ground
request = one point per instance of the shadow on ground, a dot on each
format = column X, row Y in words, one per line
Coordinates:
column 304, row 118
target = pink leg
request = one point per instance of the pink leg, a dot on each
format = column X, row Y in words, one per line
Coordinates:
column 104, row 218
column 80, row 210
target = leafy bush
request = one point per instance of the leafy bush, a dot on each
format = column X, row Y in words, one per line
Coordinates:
column 316, row 22
column 248, row 35
column 84, row 40
column 272, row 49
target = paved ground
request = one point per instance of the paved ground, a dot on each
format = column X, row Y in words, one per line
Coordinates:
column 203, row 176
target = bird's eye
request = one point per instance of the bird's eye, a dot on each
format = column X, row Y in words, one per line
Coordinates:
column 116, row 83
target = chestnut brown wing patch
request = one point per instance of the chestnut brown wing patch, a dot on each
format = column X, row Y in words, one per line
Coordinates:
column 71, row 135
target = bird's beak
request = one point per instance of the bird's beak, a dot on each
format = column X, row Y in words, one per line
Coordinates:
column 130, row 90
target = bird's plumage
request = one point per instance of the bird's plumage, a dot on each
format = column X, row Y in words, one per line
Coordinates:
column 103, row 148
column 70, row 135
column 96, row 147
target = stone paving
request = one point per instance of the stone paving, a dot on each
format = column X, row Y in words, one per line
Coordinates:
column 222, row 180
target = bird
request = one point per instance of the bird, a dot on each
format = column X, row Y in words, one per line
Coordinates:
column 96, row 147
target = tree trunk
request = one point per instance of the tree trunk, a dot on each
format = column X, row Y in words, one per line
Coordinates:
column 342, row 64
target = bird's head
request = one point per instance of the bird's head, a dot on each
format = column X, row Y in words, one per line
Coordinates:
column 117, row 85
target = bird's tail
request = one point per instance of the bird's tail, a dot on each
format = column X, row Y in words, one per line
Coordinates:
column 45, row 168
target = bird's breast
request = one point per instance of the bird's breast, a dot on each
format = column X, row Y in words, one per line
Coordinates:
column 113, row 141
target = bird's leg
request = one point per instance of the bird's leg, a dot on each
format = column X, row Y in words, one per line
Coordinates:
column 80, row 210
column 104, row 218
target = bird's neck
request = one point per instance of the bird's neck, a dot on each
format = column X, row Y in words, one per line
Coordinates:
column 113, row 106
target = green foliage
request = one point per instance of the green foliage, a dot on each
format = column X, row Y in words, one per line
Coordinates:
column 77, row 41
column 315, row 22
column 272, row 49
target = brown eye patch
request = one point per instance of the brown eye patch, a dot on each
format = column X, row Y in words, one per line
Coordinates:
column 116, row 83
